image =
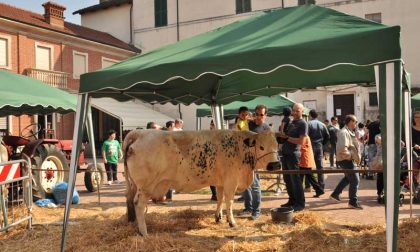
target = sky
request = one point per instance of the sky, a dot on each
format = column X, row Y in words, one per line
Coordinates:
column 71, row 6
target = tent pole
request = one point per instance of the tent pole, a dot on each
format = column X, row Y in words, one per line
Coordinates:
column 408, row 143
column 388, row 77
column 77, row 140
column 89, row 128
column 215, row 111
column 222, row 117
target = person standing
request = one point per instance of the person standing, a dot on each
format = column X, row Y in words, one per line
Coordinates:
column 213, row 188
column 347, row 156
column 179, row 124
column 332, row 130
column 169, row 127
column 318, row 133
column 242, row 124
column 374, row 129
column 307, row 161
column 111, row 153
column 295, row 136
column 252, row 195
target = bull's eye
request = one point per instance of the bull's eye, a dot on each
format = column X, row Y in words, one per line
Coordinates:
column 261, row 148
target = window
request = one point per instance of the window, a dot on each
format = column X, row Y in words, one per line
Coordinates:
column 243, row 6
column 376, row 17
column 303, row 2
column 80, row 64
column 4, row 53
column 43, row 57
column 373, row 99
column 108, row 62
column 161, row 13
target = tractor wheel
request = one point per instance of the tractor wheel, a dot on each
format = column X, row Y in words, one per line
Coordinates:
column 53, row 169
column 93, row 177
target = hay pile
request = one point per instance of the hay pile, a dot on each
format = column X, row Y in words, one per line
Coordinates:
column 106, row 229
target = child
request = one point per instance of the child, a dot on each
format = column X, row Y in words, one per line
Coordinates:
column 111, row 153
column 243, row 118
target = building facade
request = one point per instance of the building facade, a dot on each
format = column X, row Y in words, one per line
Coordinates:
column 152, row 24
column 47, row 48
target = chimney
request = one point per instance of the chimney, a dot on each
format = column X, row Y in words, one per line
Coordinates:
column 54, row 14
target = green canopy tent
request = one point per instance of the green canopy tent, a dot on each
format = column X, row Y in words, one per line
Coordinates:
column 415, row 102
column 269, row 53
column 275, row 105
column 24, row 95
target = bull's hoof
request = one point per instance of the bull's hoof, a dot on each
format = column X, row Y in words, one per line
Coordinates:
column 217, row 218
column 144, row 234
column 233, row 225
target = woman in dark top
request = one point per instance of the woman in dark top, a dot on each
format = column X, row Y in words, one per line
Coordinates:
column 415, row 133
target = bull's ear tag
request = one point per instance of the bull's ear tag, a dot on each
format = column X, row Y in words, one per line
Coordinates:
column 248, row 143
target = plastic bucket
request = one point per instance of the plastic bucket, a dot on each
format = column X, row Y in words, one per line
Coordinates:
column 282, row 214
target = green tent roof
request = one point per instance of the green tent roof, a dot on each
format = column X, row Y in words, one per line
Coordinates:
column 24, row 95
column 269, row 53
column 415, row 102
column 275, row 106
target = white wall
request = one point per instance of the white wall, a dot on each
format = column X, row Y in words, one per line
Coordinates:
column 404, row 13
column 115, row 21
column 195, row 17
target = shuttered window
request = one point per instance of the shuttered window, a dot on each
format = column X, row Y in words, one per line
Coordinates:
column 161, row 13
column 4, row 53
column 3, row 123
column 79, row 64
column 43, row 58
column 243, row 6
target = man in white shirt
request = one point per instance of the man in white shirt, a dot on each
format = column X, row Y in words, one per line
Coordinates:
column 178, row 124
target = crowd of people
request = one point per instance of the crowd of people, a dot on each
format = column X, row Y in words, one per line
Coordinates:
column 302, row 145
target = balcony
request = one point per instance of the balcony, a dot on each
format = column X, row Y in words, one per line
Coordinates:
column 53, row 78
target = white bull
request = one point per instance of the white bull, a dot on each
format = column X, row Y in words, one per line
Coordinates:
column 187, row 161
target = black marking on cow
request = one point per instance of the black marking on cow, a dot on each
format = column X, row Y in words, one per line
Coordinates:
column 203, row 157
column 230, row 146
column 249, row 159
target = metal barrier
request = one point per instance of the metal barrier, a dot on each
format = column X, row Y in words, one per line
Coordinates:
column 15, row 194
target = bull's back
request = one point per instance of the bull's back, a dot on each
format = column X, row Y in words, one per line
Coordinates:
column 186, row 160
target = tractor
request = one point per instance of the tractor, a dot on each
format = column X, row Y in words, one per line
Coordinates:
column 50, row 159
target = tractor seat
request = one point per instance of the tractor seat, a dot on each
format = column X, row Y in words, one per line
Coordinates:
column 15, row 140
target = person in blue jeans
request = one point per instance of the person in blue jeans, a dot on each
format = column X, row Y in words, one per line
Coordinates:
column 294, row 137
column 347, row 155
column 252, row 195
column 319, row 135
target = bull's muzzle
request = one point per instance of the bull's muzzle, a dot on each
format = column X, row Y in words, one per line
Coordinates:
column 272, row 166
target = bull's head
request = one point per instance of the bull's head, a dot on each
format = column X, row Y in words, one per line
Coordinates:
column 266, row 148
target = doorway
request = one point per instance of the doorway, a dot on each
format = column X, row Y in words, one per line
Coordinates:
column 343, row 105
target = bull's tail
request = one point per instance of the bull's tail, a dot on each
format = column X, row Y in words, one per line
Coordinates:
column 131, row 188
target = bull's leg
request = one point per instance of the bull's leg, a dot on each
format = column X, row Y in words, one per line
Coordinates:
column 219, row 210
column 229, row 195
column 140, row 201
column 130, row 194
